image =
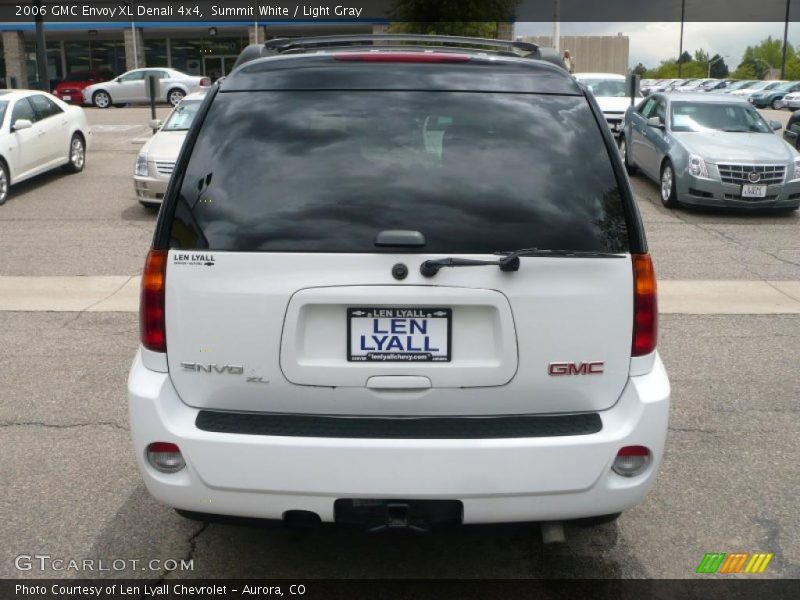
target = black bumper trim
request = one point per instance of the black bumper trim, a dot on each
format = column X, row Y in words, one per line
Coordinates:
column 330, row 426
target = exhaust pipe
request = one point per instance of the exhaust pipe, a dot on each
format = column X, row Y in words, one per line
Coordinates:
column 553, row 532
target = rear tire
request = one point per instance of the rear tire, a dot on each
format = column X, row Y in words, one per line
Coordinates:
column 668, row 195
column 77, row 155
column 101, row 99
column 174, row 96
column 775, row 104
column 623, row 150
column 5, row 183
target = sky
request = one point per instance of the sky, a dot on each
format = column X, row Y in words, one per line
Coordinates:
column 651, row 43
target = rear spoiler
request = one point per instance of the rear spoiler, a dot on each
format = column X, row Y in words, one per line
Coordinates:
column 517, row 49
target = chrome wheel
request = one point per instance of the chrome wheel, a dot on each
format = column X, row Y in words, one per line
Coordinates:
column 77, row 154
column 102, row 100
column 623, row 150
column 3, row 185
column 175, row 97
column 668, row 185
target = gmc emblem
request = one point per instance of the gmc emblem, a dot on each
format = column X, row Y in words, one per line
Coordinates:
column 557, row 369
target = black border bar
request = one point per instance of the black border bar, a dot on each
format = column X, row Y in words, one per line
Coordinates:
column 277, row 11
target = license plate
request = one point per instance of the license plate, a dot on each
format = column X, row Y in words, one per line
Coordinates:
column 398, row 334
column 754, row 191
column 66, row 98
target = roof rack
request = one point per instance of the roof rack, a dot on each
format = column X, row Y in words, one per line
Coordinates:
column 291, row 45
column 281, row 45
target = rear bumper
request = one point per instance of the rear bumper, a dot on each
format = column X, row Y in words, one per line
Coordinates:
column 497, row 480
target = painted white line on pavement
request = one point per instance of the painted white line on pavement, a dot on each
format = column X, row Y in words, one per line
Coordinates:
column 121, row 294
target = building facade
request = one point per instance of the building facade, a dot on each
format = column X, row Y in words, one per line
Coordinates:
column 593, row 53
column 209, row 49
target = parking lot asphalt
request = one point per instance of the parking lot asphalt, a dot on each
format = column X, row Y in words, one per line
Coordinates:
column 728, row 482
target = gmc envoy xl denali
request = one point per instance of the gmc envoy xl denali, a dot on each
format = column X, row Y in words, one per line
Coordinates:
column 399, row 281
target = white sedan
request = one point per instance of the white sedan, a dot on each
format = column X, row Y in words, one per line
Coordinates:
column 39, row 132
column 130, row 88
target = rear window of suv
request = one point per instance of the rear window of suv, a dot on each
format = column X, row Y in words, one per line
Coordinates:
column 325, row 171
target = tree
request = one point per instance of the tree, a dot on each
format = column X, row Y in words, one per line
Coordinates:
column 477, row 18
column 759, row 59
column 719, row 69
column 685, row 57
column 701, row 56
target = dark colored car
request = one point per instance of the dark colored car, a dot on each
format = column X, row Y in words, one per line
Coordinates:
column 792, row 132
column 70, row 89
column 772, row 98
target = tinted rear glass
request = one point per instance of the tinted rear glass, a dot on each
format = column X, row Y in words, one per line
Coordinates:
column 325, row 171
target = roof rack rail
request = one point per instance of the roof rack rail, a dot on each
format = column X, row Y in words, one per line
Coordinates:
column 287, row 45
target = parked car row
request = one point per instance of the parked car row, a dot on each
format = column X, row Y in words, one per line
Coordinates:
column 763, row 94
column 101, row 88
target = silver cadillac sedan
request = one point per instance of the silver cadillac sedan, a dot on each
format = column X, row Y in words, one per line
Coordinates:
column 710, row 150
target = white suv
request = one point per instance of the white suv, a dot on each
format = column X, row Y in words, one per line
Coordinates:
column 399, row 286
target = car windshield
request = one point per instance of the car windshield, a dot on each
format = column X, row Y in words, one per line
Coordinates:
column 182, row 117
column 785, row 87
column 707, row 116
column 607, row 88
column 326, row 171
column 3, row 106
column 742, row 85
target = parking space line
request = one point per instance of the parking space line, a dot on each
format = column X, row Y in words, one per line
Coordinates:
column 121, row 294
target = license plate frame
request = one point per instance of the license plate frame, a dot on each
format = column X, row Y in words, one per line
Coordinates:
column 430, row 314
column 754, row 190
column 66, row 98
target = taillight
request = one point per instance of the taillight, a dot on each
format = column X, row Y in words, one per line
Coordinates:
column 631, row 461
column 151, row 305
column 645, row 306
column 165, row 457
column 423, row 57
column 205, row 82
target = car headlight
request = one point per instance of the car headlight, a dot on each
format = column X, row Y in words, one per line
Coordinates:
column 141, row 165
column 797, row 167
column 697, row 166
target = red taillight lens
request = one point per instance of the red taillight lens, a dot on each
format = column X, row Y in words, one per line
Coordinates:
column 645, row 306
column 165, row 457
column 424, row 57
column 631, row 461
column 205, row 82
column 633, row 451
column 151, row 305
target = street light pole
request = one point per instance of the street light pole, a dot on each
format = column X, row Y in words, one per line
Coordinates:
column 557, row 25
column 785, row 36
column 680, row 50
column 712, row 62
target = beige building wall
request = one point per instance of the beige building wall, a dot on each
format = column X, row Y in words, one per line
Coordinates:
column 592, row 54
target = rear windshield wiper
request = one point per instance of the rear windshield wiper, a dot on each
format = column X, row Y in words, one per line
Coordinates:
column 510, row 260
